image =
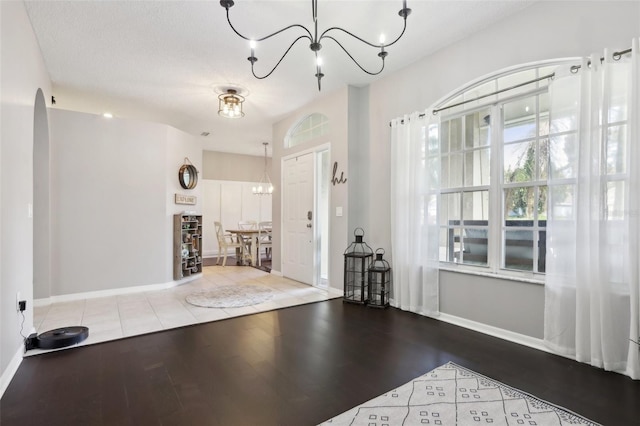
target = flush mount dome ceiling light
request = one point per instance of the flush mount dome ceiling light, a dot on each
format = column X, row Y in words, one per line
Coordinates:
column 315, row 40
column 230, row 104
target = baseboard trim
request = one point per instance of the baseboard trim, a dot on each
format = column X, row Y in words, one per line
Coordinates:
column 500, row 333
column 278, row 273
column 10, row 371
column 112, row 292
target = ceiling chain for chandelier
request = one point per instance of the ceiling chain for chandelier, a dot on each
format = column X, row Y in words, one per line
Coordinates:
column 315, row 40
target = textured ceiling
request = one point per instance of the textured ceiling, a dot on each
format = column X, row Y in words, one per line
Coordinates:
column 162, row 60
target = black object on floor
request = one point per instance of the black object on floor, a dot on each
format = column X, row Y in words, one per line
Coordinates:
column 58, row 338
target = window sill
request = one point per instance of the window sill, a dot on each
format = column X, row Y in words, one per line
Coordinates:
column 497, row 275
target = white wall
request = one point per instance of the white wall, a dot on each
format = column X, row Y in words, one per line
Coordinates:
column 41, row 201
column 335, row 106
column 113, row 188
column 178, row 146
column 22, row 72
column 238, row 167
column 545, row 30
column 359, row 171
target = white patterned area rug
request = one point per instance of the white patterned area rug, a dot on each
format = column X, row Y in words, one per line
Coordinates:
column 230, row 296
column 453, row 395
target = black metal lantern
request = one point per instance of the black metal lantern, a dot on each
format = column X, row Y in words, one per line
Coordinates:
column 379, row 281
column 357, row 258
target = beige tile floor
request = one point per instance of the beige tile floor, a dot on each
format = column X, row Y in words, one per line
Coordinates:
column 115, row 317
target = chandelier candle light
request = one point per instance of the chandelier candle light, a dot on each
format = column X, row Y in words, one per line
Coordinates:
column 264, row 186
column 315, row 40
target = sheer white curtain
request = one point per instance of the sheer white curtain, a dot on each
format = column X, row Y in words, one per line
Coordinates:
column 414, row 231
column 592, row 277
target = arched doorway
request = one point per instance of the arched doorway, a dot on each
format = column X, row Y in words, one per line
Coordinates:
column 41, row 201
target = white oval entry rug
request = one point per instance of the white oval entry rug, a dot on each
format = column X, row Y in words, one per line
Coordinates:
column 230, row 296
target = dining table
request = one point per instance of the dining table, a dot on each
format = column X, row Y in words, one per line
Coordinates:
column 252, row 236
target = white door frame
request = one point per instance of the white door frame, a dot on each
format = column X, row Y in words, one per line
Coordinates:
column 315, row 150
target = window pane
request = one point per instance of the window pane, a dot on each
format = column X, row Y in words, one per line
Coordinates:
column 455, row 134
column 432, row 168
column 477, row 129
column 546, row 71
column 615, row 200
column 431, row 202
column 518, row 249
column 475, row 246
column 517, row 78
column 450, row 208
column 444, row 245
column 564, row 110
column 475, row 207
column 561, row 202
column 616, row 149
column 455, row 244
column 444, row 166
column 520, row 119
column 542, row 203
column 519, row 203
column 453, row 101
column 483, row 89
column 310, row 127
column 543, row 119
column 325, row 128
column 563, row 156
column 450, row 244
column 543, row 159
column 542, row 252
column 455, row 170
column 477, row 167
column 444, row 137
column 519, row 162
column 618, row 100
column 433, row 141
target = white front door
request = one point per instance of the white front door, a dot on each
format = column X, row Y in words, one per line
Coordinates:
column 298, row 218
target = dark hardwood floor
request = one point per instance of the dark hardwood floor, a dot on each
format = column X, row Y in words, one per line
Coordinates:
column 294, row 366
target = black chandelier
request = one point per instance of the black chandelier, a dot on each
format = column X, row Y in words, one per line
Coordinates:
column 315, row 40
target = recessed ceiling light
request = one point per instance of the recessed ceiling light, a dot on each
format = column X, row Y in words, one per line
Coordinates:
column 107, row 115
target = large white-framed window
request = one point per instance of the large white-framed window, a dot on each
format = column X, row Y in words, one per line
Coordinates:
column 465, row 162
column 494, row 166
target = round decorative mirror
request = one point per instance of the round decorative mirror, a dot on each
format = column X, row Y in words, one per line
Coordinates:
column 188, row 175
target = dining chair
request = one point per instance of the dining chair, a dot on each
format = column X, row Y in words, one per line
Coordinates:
column 247, row 239
column 264, row 240
column 225, row 242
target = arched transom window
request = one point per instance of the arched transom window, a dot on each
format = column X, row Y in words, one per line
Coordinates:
column 310, row 127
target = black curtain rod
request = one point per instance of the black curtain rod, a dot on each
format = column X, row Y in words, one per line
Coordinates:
column 616, row 57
